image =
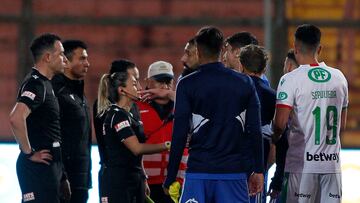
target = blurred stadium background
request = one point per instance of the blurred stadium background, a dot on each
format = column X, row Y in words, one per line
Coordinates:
column 149, row 30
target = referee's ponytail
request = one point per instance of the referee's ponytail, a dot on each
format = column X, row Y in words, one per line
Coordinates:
column 103, row 96
column 108, row 91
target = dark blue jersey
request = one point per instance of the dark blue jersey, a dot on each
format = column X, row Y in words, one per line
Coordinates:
column 227, row 135
column 267, row 97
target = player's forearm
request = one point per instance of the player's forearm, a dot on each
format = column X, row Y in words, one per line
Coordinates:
column 259, row 154
column 271, row 159
column 151, row 148
column 18, row 127
column 343, row 119
column 178, row 143
column 278, row 130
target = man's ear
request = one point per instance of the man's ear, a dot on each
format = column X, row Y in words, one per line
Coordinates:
column 296, row 48
column 237, row 52
column 198, row 52
column 318, row 51
column 121, row 91
column 46, row 57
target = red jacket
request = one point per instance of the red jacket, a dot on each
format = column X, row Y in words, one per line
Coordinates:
column 158, row 131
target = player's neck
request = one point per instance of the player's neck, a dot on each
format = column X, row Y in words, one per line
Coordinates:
column 45, row 71
column 124, row 103
column 207, row 60
column 68, row 74
column 308, row 60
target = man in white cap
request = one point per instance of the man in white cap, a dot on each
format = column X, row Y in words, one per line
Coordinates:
column 157, row 117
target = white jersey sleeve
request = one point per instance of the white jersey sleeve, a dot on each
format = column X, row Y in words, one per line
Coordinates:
column 286, row 92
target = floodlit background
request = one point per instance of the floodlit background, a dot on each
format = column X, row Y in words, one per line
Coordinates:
column 145, row 31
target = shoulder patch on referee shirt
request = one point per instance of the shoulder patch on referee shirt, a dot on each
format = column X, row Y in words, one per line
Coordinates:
column 28, row 197
column 121, row 125
column 29, row 95
column 35, row 77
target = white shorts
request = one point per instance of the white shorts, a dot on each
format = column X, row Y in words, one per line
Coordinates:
column 312, row 188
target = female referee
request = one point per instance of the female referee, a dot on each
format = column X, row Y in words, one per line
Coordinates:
column 123, row 178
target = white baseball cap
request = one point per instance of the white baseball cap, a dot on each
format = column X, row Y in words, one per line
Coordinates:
column 160, row 69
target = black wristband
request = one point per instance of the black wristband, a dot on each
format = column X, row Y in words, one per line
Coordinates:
column 145, row 177
column 30, row 154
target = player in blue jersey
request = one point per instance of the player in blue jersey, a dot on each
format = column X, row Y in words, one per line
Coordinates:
column 226, row 144
column 253, row 61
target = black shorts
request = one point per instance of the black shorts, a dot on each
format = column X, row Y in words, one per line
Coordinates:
column 120, row 187
column 39, row 183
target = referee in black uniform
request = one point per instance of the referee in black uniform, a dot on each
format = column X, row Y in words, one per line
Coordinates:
column 75, row 120
column 117, row 66
column 123, row 179
column 36, row 125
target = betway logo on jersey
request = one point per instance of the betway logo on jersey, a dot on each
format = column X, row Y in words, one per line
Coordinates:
column 322, row 157
column 302, row 195
column 335, row 196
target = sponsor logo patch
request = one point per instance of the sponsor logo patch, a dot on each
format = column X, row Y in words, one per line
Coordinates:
column 104, row 200
column 322, row 157
column 28, row 197
column 29, row 95
column 282, row 81
column 302, row 195
column 282, row 96
column 319, row 75
column 336, row 196
column 121, row 125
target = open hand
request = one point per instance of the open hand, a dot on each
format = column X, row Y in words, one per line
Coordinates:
column 256, row 183
column 42, row 156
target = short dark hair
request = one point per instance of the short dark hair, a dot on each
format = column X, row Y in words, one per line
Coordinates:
column 241, row 39
column 41, row 43
column 291, row 55
column 309, row 35
column 253, row 58
column 71, row 45
column 209, row 41
column 192, row 41
column 121, row 65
